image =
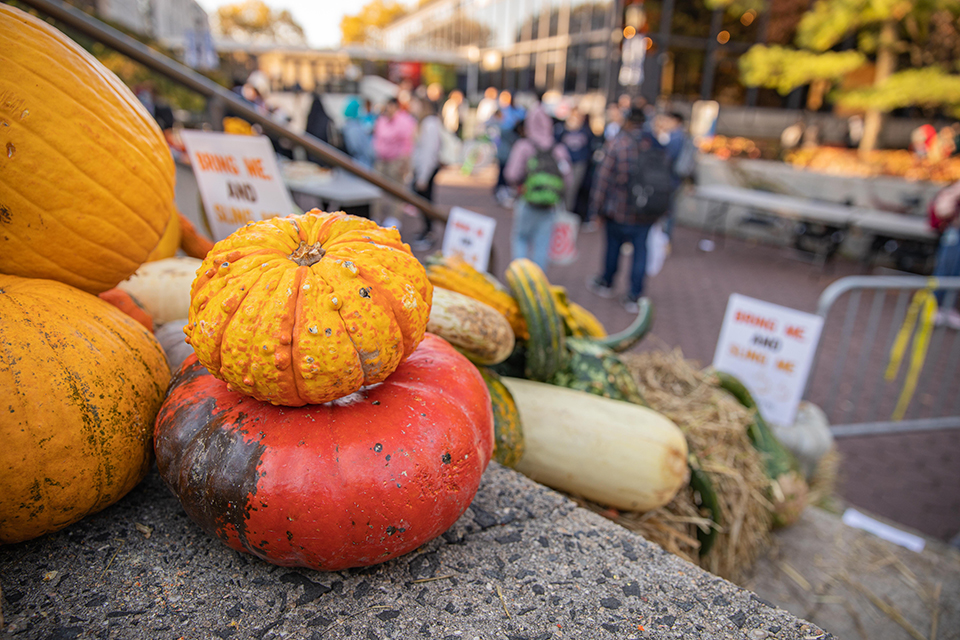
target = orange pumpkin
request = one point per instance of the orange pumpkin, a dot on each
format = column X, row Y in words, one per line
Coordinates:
column 80, row 386
column 86, row 178
column 307, row 309
column 129, row 305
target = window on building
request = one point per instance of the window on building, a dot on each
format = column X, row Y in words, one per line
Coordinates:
column 742, row 28
column 576, row 56
column 727, row 88
column 534, row 13
column 653, row 9
column 579, row 16
column 691, row 18
column 595, row 68
column 688, row 72
column 527, row 75
column 599, row 13
column 554, row 8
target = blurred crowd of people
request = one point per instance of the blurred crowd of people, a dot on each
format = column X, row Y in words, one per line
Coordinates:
column 624, row 170
column 551, row 157
column 623, row 167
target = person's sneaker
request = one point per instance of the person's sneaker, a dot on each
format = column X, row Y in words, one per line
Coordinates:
column 950, row 318
column 630, row 304
column 503, row 197
column 599, row 287
column 589, row 226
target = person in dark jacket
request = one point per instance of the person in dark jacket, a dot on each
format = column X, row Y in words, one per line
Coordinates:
column 318, row 124
column 610, row 200
column 578, row 138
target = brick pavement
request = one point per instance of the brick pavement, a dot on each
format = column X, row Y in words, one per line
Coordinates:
column 911, row 479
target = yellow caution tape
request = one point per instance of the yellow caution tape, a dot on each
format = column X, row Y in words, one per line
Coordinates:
column 924, row 307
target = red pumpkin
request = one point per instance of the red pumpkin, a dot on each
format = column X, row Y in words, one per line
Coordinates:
column 348, row 483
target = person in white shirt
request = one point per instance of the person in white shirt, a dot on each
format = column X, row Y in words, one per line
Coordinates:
column 453, row 113
column 487, row 107
column 426, row 165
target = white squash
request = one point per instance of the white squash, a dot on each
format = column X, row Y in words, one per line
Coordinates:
column 163, row 287
column 612, row 452
column 475, row 329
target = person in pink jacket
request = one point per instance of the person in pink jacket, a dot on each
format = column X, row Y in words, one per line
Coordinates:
column 393, row 135
column 540, row 168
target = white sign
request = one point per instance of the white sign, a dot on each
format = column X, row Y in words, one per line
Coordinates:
column 239, row 179
column 770, row 349
column 470, row 236
column 563, row 238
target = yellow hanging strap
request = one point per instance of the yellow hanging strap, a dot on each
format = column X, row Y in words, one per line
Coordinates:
column 922, row 307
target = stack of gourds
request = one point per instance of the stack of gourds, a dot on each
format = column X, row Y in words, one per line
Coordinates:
column 567, row 411
column 86, row 192
column 318, row 423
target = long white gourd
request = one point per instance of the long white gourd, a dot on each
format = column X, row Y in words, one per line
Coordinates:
column 612, row 452
column 163, row 287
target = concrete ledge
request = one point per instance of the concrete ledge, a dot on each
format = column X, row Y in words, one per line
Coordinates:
column 522, row 563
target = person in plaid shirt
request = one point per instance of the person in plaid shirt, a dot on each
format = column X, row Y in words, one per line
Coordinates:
column 608, row 200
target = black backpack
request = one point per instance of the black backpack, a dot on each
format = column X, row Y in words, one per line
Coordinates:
column 650, row 184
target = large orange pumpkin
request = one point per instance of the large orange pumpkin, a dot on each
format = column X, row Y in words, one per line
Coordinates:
column 307, row 309
column 86, row 178
column 80, row 386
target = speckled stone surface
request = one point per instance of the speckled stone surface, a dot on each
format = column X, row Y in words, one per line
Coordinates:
column 523, row 562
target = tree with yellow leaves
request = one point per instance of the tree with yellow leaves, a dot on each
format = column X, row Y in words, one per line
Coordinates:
column 364, row 28
column 254, row 21
column 893, row 32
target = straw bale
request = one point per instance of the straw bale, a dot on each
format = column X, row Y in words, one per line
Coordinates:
column 715, row 427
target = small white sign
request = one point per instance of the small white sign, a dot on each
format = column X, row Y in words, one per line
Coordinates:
column 853, row 518
column 470, row 236
column 239, row 179
column 770, row 349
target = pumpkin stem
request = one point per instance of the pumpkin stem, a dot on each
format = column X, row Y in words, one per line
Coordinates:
column 307, row 255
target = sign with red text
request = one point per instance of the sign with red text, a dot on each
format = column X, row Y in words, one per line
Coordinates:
column 239, row 179
column 770, row 349
column 470, row 236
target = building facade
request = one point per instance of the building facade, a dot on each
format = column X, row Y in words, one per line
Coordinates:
column 181, row 25
column 676, row 48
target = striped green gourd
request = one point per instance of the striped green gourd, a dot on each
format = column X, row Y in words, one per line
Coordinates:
column 638, row 329
column 546, row 347
column 597, row 370
column 508, row 443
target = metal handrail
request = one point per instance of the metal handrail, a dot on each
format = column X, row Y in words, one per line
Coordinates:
column 868, row 332
column 189, row 78
column 849, row 283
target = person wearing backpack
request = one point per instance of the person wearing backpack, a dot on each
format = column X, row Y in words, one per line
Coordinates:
column 633, row 190
column 540, row 169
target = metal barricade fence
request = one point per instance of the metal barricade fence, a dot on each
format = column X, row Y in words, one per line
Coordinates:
column 889, row 369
